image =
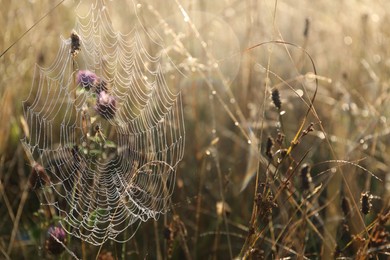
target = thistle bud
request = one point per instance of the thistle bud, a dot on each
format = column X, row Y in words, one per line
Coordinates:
column 365, row 201
column 87, row 79
column 106, row 105
column 56, row 239
column 275, row 96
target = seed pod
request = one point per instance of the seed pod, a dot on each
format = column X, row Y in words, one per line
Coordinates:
column 305, row 177
column 276, row 98
column 365, row 201
column 56, row 239
column 270, row 144
column 307, row 27
column 38, row 177
column 75, row 44
column 345, row 206
column 106, row 105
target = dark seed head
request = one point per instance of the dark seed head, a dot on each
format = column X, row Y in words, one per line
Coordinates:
column 106, row 105
column 276, row 98
column 307, row 27
column 270, row 144
column 75, row 46
column 305, row 177
column 56, row 239
column 345, row 206
column 365, row 200
column 38, row 177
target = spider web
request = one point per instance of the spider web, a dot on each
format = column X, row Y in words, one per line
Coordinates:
column 112, row 167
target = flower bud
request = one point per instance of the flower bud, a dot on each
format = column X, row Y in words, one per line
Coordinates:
column 106, row 105
column 56, row 239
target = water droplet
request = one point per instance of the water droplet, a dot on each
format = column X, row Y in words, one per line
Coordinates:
column 208, row 152
column 139, row 6
column 348, row 40
column 365, row 113
column 361, row 141
column 282, row 112
column 213, row 131
column 236, row 123
column 232, row 101
column 299, row 92
column 214, row 92
column 321, row 135
column 249, row 141
column 230, row 12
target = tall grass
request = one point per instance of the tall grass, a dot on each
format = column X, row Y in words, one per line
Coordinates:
column 297, row 197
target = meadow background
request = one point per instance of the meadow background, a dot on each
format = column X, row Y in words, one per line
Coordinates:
column 229, row 115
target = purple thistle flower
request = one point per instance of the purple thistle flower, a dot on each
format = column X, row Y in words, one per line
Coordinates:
column 106, row 105
column 56, row 237
column 87, row 79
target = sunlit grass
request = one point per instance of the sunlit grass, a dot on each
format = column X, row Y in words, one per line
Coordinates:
column 232, row 198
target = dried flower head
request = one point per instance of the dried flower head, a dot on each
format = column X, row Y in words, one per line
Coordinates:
column 87, row 79
column 365, row 201
column 265, row 204
column 307, row 27
column 276, row 98
column 106, row 105
column 345, row 206
column 380, row 234
column 56, row 239
column 270, row 144
column 75, row 46
column 38, row 177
